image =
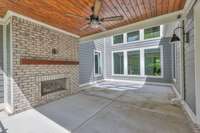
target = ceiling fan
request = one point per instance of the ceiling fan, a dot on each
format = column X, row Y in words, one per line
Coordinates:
column 94, row 21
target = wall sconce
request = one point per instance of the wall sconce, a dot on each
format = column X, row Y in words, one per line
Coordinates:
column 175, row 38
column 54, row 51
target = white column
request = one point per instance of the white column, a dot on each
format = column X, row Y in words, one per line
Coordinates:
column 125, row 63
column 141, row 34
column 142, row 67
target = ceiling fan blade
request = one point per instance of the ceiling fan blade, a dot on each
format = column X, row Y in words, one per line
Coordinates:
column 84, row 27
column 74, row 15
column 102, row 27
column 97, row 7
column 114, row 18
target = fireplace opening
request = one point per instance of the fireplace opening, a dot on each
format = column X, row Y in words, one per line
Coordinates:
column 51, row 86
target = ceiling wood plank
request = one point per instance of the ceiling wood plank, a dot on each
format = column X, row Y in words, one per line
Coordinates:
column 52, row 12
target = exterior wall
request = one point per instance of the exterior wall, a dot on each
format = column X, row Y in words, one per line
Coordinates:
column 166, row 59
column 189, row 63
column 1, row 65
column 188, row 92
column 30, row 40
column 87, row 60
column 177, row 66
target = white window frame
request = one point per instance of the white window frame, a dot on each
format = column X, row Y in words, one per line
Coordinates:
column 161, row 33
column 142, row 62
column 136, row 40
column 100, row 74
column 174, row 65
column 161, row 62
column 117, row 35
column 141, row 39
column 132, row 50
column 112, row 58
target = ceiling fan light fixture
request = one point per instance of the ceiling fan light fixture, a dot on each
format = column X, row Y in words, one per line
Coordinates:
column 94, row 24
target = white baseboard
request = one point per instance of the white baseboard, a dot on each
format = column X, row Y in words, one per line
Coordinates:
column 189, row 111
column 176, row 92
column 90, row 83
column 8, row 109
column 185, row 106
column 138, row 82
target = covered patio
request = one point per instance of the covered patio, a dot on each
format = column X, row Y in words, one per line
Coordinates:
column 106, row 107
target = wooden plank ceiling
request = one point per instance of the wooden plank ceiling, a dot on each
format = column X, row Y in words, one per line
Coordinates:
column 53, row 12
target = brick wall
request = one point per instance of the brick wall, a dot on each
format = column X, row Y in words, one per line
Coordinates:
column 34, row 41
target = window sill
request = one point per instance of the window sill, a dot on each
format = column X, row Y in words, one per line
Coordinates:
column 174, row 80
column 138, row 76
column 97, row 75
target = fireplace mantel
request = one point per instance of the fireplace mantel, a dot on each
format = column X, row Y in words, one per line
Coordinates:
column 24, row 61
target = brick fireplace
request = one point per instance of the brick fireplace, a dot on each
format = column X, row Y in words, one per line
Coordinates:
column 34, row 41
column 49, row 84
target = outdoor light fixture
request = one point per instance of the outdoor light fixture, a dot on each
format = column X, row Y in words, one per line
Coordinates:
column 175, row 38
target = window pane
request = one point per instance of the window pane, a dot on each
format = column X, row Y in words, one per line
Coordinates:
column 97, row 63
column 134, row 62
column 118, row 39
column 118, row 63
column 152, row 32
column 133, row 36
column 152, row 62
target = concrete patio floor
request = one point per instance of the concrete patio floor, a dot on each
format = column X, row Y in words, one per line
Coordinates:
column 107, row 107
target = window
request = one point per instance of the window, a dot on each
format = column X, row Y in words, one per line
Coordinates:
column 134, row 62
column 153, row 32
column 152, row 62
column 97, row 58
column 133, row 36
column 118, row 62
column 118, row 39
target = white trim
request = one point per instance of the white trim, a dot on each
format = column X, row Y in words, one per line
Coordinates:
column 5, row 64
column 138, row 82
column 135, row 40
column 188, row 6
column 184, row 105
column 174, row 55
column 112, row 58
column 11, row 64
column 142, row 64
column 101, row 72
column 125, row 63
column 141, row 36
column 189, row 111
column 8, row 108
column 104, row 59
column 91, row 83
column 176, row 92
column 142, row 61
column 161, row 33
column 11, row 13
column 197, row 57
column 114, row 44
